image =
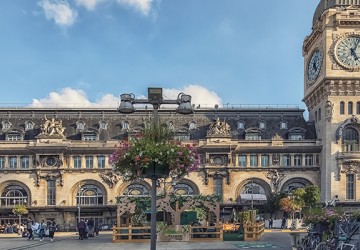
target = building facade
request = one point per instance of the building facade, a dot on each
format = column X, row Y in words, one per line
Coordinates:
column 55, row 161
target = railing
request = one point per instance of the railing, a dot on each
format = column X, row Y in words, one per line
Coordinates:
column 253, row 232
column 206, row 233
column 131, row 234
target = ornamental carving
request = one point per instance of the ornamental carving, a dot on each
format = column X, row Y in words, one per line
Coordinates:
column 329, row 106
column 348, row 167
column 52, row 128
column 110, row 179
column 49, row 176
column 219, row 129
column 276, row 159
column 275, row 177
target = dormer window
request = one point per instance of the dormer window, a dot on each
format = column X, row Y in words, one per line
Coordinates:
column 171, row 125
column 283, row 125
column 80, row 125
column 262, row 125
column 125, row 125
column 29, row 125
column 192, row 125
column 6, row 125
column 89, row 136
column 253, row 134
column 13, row 136
column 103, row 125
column 240, row 125
column 296, row 134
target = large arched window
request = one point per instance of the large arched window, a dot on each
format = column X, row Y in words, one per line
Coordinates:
column 293, row 186
column 13, row 195
column 183, row 189
column 136, row 190
column 350, row 139
column 89, row 195
column 252, row 193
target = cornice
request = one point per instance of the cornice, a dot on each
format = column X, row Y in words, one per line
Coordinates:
column 310, row 40
column 332, row 87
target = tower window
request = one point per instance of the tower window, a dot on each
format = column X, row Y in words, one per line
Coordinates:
column 358, row 108
column 342, row 108
column 350, row 138
column 350, row 108
column 350, row 186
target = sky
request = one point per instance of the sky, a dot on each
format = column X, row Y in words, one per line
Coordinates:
column 88, row 52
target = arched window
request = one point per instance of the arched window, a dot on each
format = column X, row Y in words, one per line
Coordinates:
column 13, row 195
column 183, row 189
column 293, row 186
column 89, row 195
column 252, row 188
column 342, row 108
column 136, row 190
column 358, row 108
column 350, row 139
column 350, row 108
column 252, row 192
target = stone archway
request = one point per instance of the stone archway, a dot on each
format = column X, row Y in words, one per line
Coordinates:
column 264, row 184
column 75, row 189
column 5, row 184
column 294, row 183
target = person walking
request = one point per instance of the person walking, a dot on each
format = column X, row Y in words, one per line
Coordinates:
column 82, row 229
column 28, row 229
column 52, row 229
column 42, row 227
column 271, row 223
column 34, row 228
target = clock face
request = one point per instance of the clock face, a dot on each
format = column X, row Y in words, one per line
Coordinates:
column 314, row 65
column 348, row 52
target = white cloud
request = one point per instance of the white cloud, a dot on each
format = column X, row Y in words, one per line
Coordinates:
column 69, row 97
column 89, row 4
column 199, row 95
column 60, row 11
column 141, row 5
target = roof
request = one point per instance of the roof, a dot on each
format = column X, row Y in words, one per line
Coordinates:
column 327, row 4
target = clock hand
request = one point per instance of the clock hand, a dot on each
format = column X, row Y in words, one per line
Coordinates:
column 314, row 66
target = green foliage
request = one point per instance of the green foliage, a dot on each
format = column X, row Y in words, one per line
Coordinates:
column 272, row 204
column 312, row 195
column 20, row 209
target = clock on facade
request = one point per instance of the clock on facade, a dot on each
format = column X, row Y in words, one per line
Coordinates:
column 347, row 52
column 314, row 65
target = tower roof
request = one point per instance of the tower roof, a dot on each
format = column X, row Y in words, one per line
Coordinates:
column 327, row 4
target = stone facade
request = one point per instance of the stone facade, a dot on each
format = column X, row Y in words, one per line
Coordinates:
column 56, row 161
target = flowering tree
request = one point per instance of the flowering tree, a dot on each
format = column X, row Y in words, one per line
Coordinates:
column 155, row 145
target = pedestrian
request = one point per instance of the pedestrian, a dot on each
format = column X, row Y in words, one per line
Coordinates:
column 34, row 228
column 271, row 223
column 82, row 229
column 52, row 229
column 283, row 222
column 42, row 227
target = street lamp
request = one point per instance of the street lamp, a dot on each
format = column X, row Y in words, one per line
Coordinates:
column 155, row 97
column 79, row 201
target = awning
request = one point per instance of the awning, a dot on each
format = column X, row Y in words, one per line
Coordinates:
column 255, row 197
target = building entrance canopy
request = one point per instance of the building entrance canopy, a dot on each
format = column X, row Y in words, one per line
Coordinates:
column 255, row 197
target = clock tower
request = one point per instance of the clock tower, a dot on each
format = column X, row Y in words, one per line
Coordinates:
column 332, row 95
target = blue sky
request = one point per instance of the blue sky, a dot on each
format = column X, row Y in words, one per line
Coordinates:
column 90, row 51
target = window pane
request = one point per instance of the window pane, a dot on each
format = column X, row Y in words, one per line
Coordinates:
column 89, row 161
column 242, row 161
column 358, row 108
column 77, row 162
column 286, row 160
column 51, row 192
column 25, row 162
column 297, row 160
column 13, row 162
column 2, row 162
column 350, row 108
column 253, row 160
column 101, row 161
column 264, row 160
column 342, row 108
column 350, row 186
column 308, row 160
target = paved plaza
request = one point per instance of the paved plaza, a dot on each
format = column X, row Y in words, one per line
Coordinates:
column 279, row 240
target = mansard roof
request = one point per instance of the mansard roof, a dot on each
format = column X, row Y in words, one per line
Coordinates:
column 203, row 117
column 327, row 4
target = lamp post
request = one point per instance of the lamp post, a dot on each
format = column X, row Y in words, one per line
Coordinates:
column 155, row 98
column 79, row 201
